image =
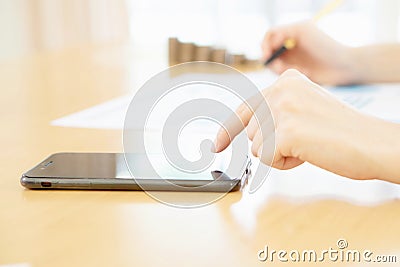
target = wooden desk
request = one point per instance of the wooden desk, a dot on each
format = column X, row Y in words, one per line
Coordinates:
column 81, row 228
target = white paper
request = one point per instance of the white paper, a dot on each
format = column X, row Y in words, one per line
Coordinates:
column 108, row 115
column 111, row 114
column 379, row 100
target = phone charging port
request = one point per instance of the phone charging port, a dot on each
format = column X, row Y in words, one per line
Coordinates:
column 45, row 184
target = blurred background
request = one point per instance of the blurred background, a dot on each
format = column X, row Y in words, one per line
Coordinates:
column 33, row 26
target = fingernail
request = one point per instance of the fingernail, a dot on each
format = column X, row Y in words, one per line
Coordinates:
column 215, row 147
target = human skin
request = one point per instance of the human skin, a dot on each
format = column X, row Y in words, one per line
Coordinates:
column 326, row 61
column 319, row 129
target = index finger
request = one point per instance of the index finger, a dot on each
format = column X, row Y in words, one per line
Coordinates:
column 236, row 123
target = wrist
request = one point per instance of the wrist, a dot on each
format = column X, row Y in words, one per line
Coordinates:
column 352, row 66
column 379, row 149
column 386, row 150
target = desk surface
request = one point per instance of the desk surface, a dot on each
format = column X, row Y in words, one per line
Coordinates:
column 80, row 228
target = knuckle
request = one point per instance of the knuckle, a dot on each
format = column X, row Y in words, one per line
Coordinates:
column 252, row 128
column 250, row 133
column 254, row 150
column 285, row 82
column 286, row 104
column 283, row 101
column 286, row 94
column 288, row 136
column 291, row 72
column 242, row 109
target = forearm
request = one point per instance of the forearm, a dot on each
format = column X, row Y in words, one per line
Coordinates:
column 386, row 150
column 376, row 63
column 360, row 147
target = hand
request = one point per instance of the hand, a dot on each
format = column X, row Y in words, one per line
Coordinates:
column 312, row 125
column 319, row 57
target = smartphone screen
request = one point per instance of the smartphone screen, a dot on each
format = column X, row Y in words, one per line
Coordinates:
column 113, row 165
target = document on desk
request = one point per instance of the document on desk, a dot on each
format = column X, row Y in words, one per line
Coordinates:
column 378, row 100
column 111, row 114
column 381, row 101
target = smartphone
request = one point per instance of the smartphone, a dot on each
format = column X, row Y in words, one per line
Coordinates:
column 109, row 171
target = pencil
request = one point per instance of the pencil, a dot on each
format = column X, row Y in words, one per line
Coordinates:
column 291, row 43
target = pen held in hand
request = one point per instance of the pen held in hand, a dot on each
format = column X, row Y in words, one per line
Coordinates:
column 289, row 44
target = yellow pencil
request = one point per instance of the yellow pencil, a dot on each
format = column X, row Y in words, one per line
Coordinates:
column 291, row 43
column 327, row 9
